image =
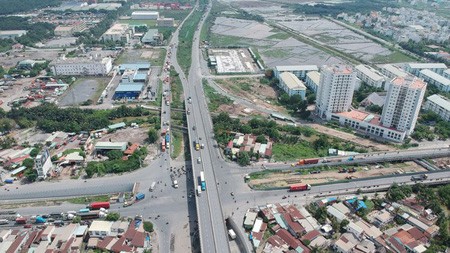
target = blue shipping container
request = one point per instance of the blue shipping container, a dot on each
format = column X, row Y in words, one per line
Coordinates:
column 9, row 181
column 39, row 219
column 140, row 196
column 85, row 210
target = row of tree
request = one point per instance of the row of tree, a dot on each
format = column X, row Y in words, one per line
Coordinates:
column 36, row 32
column 50, row 118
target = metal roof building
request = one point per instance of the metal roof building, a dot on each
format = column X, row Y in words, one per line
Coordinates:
column 128, row 91
column 133, row 66
column 103, row 145
column 415, row 68
column 117, row 125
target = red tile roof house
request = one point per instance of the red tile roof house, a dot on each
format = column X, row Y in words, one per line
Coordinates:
column 291, row 241
column 294, row 227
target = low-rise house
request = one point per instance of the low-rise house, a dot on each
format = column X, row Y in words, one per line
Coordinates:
column 100, row 228
column 345, row 243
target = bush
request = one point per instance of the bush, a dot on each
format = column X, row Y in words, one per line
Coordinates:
column 148, row 226
column 113, row 217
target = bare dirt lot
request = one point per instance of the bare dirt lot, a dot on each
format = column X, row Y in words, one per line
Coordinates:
column 84, row 89
column 251, row 89
column 15, row 57
column 285, row 179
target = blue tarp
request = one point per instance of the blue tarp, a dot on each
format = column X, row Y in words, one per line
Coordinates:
column 361, row 203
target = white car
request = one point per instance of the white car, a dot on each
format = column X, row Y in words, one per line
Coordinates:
column 199, row 160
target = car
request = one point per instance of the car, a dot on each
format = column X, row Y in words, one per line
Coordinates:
column 193, row 128
column 199, row 160
column 232, row 194
column 284, row 197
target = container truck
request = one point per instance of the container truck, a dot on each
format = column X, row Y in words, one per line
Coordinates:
column 167, row 138
column 98, row 205
column 140, row 196
column 163, row 145
column 419, row 177
column 199, row 190
column 307, row 161
column 299, row 187
column 202, row 181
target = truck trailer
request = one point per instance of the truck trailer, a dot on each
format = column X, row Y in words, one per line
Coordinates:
column 140, row 196
column 419, row 177
column 307, row 161
column 98, row 205
column 299, row 187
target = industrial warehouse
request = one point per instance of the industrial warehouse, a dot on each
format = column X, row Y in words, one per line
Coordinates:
column 134, row 78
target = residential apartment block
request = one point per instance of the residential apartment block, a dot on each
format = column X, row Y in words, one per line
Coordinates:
column 435, row 79
column 300, row 71
column 403, row 102
column 292, row 85
column 118, row 32
column 415, row 68
column 81, row 66
column 370, row 76
column 438, row 104
column 43, row 164
column 446, row 73
column 392, row 71
column 335, row 91
column 313, row 80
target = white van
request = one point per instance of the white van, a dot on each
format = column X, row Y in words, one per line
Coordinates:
column 199, row 190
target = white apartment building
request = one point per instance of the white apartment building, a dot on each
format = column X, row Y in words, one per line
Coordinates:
column 299, row 70
column 292, row 85
column 415, row 68
column 446, row 73
column 313, row 80
column 435, row 79
column 335, row 91
column 370, row 76
column 118, row 32
column 403, row 102
column 392, row 71
column 438, row 104
column 81, row 66
column 143, row 15
column 43, row 163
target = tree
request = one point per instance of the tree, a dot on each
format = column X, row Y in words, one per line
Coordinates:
column 148, row 226
column 343, row 225
column 320, row 143
column 152, row 135
column 34, row 152
column 6, row 125
column 31, row 175
column 29, row 163
column 76, row 219
column 114, row 154
column 113, row 216
column 243, row 158
column 261, row 139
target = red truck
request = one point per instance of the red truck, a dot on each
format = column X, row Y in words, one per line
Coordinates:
column 308, row 161
column 299, row 187
column 98, row 205
column 21, row 220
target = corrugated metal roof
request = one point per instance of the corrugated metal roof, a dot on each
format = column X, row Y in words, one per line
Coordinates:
column 129, row 88
column 297, row 68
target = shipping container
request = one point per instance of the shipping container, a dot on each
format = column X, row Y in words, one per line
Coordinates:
column 98, row 205
column 85, row 210
column 299, row 187
column 307, row 161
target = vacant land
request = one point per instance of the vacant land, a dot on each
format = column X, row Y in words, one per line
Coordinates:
column 155, row 56
column 327, row 174
column 275, row 46
column 84, row 89
column 214, row 98
column 186, row 35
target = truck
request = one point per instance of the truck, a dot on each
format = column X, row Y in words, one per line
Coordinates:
column 40, row 220
column 98, row 205
column 351, row 170
column 202, row 146
column 232, row 234
column 21, row 220
column 167, row 141
column 308, row 161
column 140, row 196
column 9, row 181
column 202, row 181
column 163, row 145
column 299, row 187
column 199, row 190
column 419, row 177
column 152, row 187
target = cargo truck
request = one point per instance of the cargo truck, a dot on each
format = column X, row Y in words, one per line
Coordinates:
column 98, row 205
column 3, row 221
column 202, row 181
column 199, row 190
column 21, row 220
column 307, row 161
column 140, row 196
column 232, row 234
column 299, row 187
column 419, row 177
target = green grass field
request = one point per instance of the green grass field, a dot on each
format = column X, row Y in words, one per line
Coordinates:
column 215, row 99
column 289, row 152
column 394, row 57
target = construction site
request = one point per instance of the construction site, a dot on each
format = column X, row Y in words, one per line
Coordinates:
column 229, row 61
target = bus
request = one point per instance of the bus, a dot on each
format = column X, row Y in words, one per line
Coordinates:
column 202, row 181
